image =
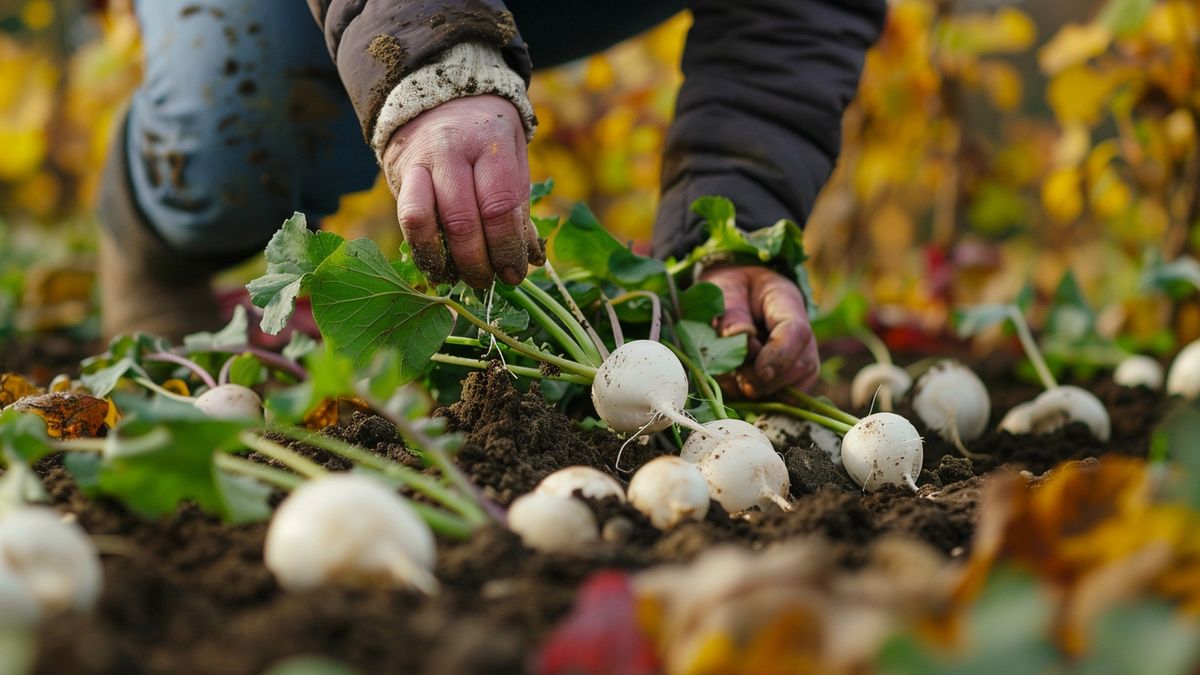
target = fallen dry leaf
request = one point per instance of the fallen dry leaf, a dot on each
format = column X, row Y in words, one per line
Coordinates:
column 68, row 415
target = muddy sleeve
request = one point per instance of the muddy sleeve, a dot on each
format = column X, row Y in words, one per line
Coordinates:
column 377, row 44
column 758, row 118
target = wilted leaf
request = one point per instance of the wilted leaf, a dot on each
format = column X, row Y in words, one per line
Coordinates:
column 14, row 387
column 67, row 415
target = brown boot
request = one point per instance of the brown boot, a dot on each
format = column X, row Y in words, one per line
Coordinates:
column 144, row 285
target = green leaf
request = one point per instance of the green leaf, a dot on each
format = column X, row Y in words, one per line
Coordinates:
column 1071, row 318
column 973, row 320
column 539, row 191
column 234, row 334
column 702, row 302
column 1149, row 636
column 102, row 372
column 1178, row 277
column 637, row 272
column 329, row 375
column 848, row 317
column 163, row 453
column 582, row 243
column 293, row 253
column 299, row 346
column 104, row 380
column 1123, row 17
column 23, row 437
column 545, row 226
column 715, row 355
column 246, row 370
column 502, row 314
column 361, row 304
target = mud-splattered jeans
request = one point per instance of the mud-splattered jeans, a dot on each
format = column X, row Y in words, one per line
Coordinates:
column 241, row 118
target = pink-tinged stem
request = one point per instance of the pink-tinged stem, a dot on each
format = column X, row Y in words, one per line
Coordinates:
column 223, row 376
column 655, row 312
column 618, row 334
column 269, row 358
column 168, row 357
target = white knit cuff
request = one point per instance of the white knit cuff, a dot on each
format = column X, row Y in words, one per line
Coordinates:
column 468, row 69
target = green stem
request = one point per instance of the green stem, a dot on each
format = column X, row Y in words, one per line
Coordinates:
column 523, row 371
column 836, row 426
column 817, row 405
column 572, row 347
column 582, row 338
column 875, row 346
column 601, row 350
column 394, row 471
column 534, row 353
column 289, row 458
column 1031, row 348
column 153, row 386
column 703, row 382
column 258, row 471
column 445, row 524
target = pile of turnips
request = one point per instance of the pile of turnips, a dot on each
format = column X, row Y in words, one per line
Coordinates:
column 48, row 565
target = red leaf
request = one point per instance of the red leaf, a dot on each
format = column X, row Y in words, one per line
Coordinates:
column 601, row 634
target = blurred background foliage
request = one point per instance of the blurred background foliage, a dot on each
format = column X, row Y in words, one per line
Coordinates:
column 992, row 143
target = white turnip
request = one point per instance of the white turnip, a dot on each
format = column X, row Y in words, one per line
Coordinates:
column 1058, row 406
column 698, row 445
column 1183, row 378
column 18, row 607
column 1139, row 370
column 54, row 560
column 785, row 431
column 349, row 529
column 883, row 449
column 1016, row 420
column 551, row 523
column 641, row 388
column 744, row 472
column 669, row 490
column 888, row 381
column 951, row 400
column 589, row 482
column 230, row 402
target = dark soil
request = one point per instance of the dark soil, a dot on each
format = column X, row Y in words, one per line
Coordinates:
column 187, row 594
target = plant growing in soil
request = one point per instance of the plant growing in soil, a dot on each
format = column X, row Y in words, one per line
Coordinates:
column 876, row 384
column 952, row 400
column 551, row 523
column 669, row 490
column 1058, row 404
column 589, row 482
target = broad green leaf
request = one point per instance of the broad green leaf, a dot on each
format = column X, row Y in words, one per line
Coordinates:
column 496, row 310
column 701, row 302
column 104, row 380
column 163, row 453
column 299, row 346
column 581, row 243
column 545, row 226
column 23, row 437
column 293, row 253
column 715, row 355
column 232, row 335
column 973, row 320
column 636, row 272
column 246, row 370
column 361, row 304
column 539, row 191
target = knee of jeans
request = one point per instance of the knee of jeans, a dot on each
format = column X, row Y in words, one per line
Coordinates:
column 213, row 198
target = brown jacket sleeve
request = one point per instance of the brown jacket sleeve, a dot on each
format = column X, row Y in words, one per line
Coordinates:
column 759, row 116
column 377, row 43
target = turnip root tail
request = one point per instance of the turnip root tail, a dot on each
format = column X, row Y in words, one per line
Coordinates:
column 669, row 411
column 404, row 567
column 956, row 437
column 778, row 499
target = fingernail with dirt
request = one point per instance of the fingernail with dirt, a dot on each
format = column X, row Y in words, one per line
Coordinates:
column 511, row 276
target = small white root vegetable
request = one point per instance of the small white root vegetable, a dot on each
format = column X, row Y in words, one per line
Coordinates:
column 1054, row 408
column 54, row 560
column 1139, row 370
column 591, row 483
column 889, row 381
column 1016, row 420
column 743, row 472
column 641, row 388
column 230, row 402
column 785, row 431
column 18, row 607
column 698, row 445
column 1183, row 378
column 883, row 449
column 552, row 524
column 952, row 400
column 669, row 490
column 349, row 529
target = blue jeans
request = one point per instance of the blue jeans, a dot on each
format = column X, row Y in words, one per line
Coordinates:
column 241, row 118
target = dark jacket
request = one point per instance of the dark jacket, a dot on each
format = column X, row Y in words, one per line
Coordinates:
column 758, row 118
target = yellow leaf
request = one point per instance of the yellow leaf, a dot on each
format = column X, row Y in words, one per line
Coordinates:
column 1062, row 196
column 1072, row 45
column 1109, row 196
column 14, row 387
column 38, row 14
column 1072, row 145
column 176, row 386
column 1180, row 129
column 24, row 150
column 1002, row 83
column 1081, row 94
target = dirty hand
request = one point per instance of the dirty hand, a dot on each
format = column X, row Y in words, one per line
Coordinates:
column 769, row 308
column 460, row 175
